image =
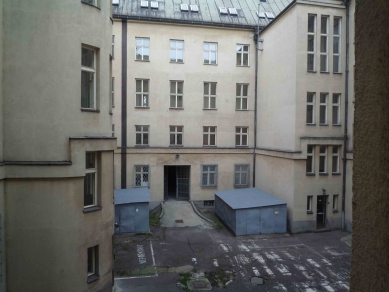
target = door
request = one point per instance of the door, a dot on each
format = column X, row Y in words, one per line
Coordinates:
column 127, row 218
column 183, row 182
column 253, row 221
column 321, row 212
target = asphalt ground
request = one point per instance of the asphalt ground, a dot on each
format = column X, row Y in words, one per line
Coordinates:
column 302, row 262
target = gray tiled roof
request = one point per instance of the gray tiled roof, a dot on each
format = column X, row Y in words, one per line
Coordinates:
column 208, row 11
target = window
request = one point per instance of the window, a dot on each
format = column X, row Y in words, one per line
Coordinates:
column 323, row 108
column 115, row 2
column 324, row 44
column 309, row 204
column 113, row 91
column 113, row 47
column 335, row 159
column 210, row 95
column 241, row 96
column 336, row 44
column 210, row 53
column 311, row 108
column 233, row 11
column 144, row 4
column 209, row 136
column 269, row 15
column 176, row 94
column 241, row 173
column 311, row 42
column 154, row 4
column 310, row 167
column 176, row 133
column 142, row 50
column 92, row 2
column 336, row 109
column 194, row 8
column 176, row 51
column 141, row 175
column 142, row 135
column 335, row 203
column 323, row 159
column 184, row 7
column 88, row 78
column 261, row 14
column 223, row 10
column 209, row 176
column 242, row 55
column 90, row 180
column 142, row 93
column 93, row 263
column 209, row 203
column 241, row 136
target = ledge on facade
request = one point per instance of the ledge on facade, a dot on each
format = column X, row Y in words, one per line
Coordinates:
column 311, row 124
column 310, row 174
column 309, row 212
column 324, row 72
column 141, row 107
column 92, row 209
column 336, row 173
column 93, row 278
column 176, row 108
column 337, row 125
column 142, row 146
column 325, row 125
column 90, row 110
column 279, row 150
column 40, row 163
column 209, row 109
column 93, row 138
column 176, row 62
column 337, row 73
column 311, row 71
column 321, row 138
column 142, row 60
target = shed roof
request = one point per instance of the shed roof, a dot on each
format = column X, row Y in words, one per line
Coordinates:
column 248, row 198
column 135, row 195
column 208, row 11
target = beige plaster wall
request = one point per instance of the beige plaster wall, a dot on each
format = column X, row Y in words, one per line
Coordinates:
column 370, row 249
column 42, row 76
column 47, row 242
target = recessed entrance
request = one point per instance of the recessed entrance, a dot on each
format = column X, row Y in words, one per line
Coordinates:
column 321, row 211
column 176, row 182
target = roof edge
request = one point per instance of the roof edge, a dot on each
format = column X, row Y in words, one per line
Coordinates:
column 278, row 16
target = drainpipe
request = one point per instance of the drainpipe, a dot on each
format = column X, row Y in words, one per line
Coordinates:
column 346, row 2
column 256, row 35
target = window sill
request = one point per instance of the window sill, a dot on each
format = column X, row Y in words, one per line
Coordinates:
column 336, row 173
column 337, row 73
column 311, row 124
column 325, row 125
column 337, row 125
column 311, row 71
column 323, row 174
column 324, row 72
column 171, row 62
column 209, row 146
column 242, row 110
column 176, row 146
column 92, row 209
column 91, row 5
column 209, row 187
column 210, row 64
column 90, row 110
column 241, row 146
column 176, row 108
column 335, row 211
column 142, row 60
column 209, row 109
column 241, row 187
column 244, row 66
column 142, row 146
column 310, row 174
column 93, row 278
column 142, row 107
column 309, row 212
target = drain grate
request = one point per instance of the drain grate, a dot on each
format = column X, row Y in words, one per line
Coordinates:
column 179, row 221
column 199, row 284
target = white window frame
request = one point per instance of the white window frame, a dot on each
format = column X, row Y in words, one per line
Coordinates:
column 324, row 36
column 113, row 91
column 309, row 204
column 240, row 97
column 174, row 48
column 208, row 173
column 113, row 47
column 335, row 159
column 94, row 172
column 313, row 52
column 142, row 46
column 311, row 104
column 142, row 172
column 94, row 259
column 310, row 154
column 336, row 109
column 93, row 71
column 240, row 172
column 240, row 134
column 209, row 96
column 176, row 133
column 323, row 154
column 176, row 94
column 207, row 132
column 323, row 105
column 242, row 53
column 335, row 202
column 145, row 95
column 338, row 55
column 209, row 52
column 144, row 130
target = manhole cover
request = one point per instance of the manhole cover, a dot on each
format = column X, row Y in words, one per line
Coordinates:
column 199, row 284
column 179, row 221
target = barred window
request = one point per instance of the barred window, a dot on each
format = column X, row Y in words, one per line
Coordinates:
column 141, row 175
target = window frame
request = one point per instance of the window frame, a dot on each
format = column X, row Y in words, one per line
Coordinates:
column 96, row 3
column 143, row 184
column 242, row 53
column 209, row 96
column 113, row 92
column 94, row 274
column 323, row 154
column 240, row 185
column 142, row 93
column 337, row 106
column 309, row 204
column 325, row 106
column 209, row 50
column 95, row 172
column 176, row 133
column 241, row 134
column 94, row 72
column 208, row 133
column 142, row 134
column 113, row 47
column 324, row 36
column 176, row 94
column 312, row 164
column 335, row 155
column 335, row 203
column 208, row 172
column 142, row 46
column 176, row 49
column 241, row 96
column 313, row 51
column 339, row 46
column 311, row 104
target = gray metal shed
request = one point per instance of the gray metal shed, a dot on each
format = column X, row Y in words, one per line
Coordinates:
column 132, row 210
column 250, row 211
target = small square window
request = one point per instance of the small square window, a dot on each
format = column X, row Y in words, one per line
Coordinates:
column 210, row 53
column 176, row 135
column 242, row 55
column 223, row 10
column 241, row 136
column 92, row 2
column 144, row 4
column 309, row 204
column 209, row 136
column 209, row 95
column 261, row 15
column 142, row 135
column 154, row 4
column 194, row 8
column 269, row 15
column 176, row 51
column 184, row 7
column 93, row 263
column 142, row 49
column 176, row 94
column 241, row 97
column 142, row 93
column 233, row 11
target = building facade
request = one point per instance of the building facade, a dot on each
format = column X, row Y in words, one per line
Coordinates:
column 56, row 146
column 212, row 98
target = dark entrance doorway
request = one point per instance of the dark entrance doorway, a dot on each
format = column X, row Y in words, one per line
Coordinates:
column 321, row 211
column 176, row 182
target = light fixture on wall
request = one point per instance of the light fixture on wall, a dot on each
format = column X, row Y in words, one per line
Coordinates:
column 177, row 156
column 260, row 44
column 324, row 192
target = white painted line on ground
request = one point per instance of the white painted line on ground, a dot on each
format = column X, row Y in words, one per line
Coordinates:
column 255, row 271
column 317, row 253
column 241, row 258
column 283, row 269
column 326, row 262
column 261, row 260
column 225, row 248
column 300, row 267
column 243, row 247
column 328, row 288
column 333, row 252
column 141, row 254
column 152, row 255
column 276, row 257
column 312, row 262
column 288, row 255
column 306, row 275
column 137, row 277
column 280, row 287
column 215, row 263
column 232, row 263
column 321, row 274
column 194, row 261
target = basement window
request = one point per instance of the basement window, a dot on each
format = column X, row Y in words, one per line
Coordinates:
column 154, row 4
column 209, row 203
column 144, row 4
column 223, row 10
column 261, row 15
column 184, row 7
column 269, row 15
column 194, row 8
column 233, row 11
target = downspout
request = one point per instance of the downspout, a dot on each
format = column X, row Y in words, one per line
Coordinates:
column 256, row 35
column 346, row 2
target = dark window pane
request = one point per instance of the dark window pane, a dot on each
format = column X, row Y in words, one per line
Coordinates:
column 323, row 119
column 138, row 139
column 205, row 139
column 311, row 23
column 179, row 139
column 87, row 58
column 322, row 164
column 145, row 139
column 311, row 43
column 172, row 139
column 309, row 114
column 310, row 66
column 309, row 164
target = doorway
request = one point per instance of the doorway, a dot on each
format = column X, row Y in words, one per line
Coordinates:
column 321, row 211
column 176, row 182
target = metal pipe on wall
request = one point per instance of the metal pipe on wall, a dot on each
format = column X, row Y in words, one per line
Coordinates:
column 256, row 36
